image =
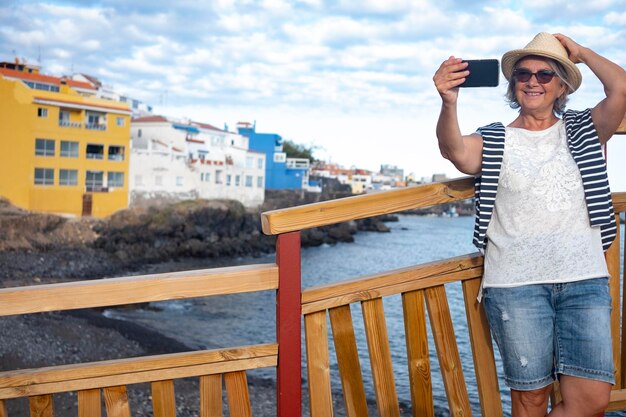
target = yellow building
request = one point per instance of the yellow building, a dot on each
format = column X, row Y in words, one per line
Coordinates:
column 61, row 150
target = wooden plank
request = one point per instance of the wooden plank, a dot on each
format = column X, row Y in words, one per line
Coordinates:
column 418, row 354
column 348, row 361
column 318, row 365
column 612, row 256
column 447, row 351
column 618, row 400
column 116, row 401
column 59, row 380
column 211, row 396
column 115, row 367
column 288, row 326
column 41, row 406
column 237, row 394
column 482, row 351
column 555, row 395
column 163, row 399
column 391, row 282
column 365, row 205
column 138, row 377
column 89, row 403
column 619, row 202
column 138, row 289
column 380, row 358
column 3, row 409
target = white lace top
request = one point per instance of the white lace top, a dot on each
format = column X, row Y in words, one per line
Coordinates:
column 540, row 230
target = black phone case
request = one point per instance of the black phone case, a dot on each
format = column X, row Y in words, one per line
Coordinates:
column 483, row 73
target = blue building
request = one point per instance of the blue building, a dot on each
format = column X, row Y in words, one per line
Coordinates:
column 281, row 173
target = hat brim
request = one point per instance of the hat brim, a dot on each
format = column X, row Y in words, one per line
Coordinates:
column 510, row 58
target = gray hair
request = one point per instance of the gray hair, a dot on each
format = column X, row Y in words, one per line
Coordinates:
column 559, row 103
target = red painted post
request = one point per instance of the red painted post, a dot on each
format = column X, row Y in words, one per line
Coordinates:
column 288, row 326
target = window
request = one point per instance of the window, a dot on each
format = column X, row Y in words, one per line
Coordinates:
column 119, row 121
column 68, row 177
column 44, row 176
column 69, row 149
column 94, row 180
column 44, row 147
column 42, row 112
column 138, row 180
column 179, row 181
column 206, row 177
column 96, row 121
column 116, row 153
column 280, row 157
column 249, row 162
column 158, row 180
column 115, row 179
column 228, row 179
column 218, row 176
column 260, row 163
column 95, row 151
column 64, row 118
column 40, row 86
column 259, row 182
column 237, row 180
column 138, row 133
column 248, row 180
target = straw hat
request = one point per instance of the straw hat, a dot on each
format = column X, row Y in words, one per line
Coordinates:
column 543, row 44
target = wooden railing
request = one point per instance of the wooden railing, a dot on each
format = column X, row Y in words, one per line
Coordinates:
column 110, row 378
column 422, row 295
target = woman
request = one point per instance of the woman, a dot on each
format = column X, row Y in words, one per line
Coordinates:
column 544, row 218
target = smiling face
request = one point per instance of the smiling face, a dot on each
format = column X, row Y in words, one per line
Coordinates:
column 532, row 96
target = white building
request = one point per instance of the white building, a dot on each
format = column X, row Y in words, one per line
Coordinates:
column 186, row 160
column 100, row 90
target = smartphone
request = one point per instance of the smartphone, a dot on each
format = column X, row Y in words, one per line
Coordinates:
column 483, row 73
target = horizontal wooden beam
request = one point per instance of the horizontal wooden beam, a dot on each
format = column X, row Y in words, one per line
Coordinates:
column 618, row 400
column 83, row 376
column 619, row 202
column 365, row 205
column 137, row 289
column 392, row 282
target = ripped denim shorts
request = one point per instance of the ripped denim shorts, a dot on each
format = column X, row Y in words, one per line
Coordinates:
column 546, row 330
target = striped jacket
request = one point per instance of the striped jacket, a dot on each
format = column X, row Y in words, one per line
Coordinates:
column 584, row 145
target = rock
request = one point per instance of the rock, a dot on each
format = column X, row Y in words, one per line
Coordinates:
column 53, row 247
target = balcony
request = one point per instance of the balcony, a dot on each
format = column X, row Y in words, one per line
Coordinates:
column 96, row 189
column 95, row 126
column 298, row 163
column 68, row 123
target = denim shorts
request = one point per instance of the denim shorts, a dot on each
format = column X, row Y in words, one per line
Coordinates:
column 545, row 330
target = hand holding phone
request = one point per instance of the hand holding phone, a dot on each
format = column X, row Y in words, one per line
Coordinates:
column 482, row 73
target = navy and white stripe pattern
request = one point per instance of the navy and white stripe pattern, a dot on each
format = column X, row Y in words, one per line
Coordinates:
column 486, row 185
column 586, row 150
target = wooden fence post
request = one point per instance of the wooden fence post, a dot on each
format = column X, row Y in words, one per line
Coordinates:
column 288, row 325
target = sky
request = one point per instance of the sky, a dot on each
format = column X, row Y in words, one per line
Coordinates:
column 351, row 79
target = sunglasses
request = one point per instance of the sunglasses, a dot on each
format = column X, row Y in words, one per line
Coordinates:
column 543, row 76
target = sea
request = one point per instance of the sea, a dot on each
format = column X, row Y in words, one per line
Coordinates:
column 243, row 319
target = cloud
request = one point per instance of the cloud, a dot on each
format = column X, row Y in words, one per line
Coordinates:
column 369, row 62
column 615, row 18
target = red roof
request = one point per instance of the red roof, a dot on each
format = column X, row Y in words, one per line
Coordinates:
column 150, row 119
column 206, row 126
column 48, row 79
